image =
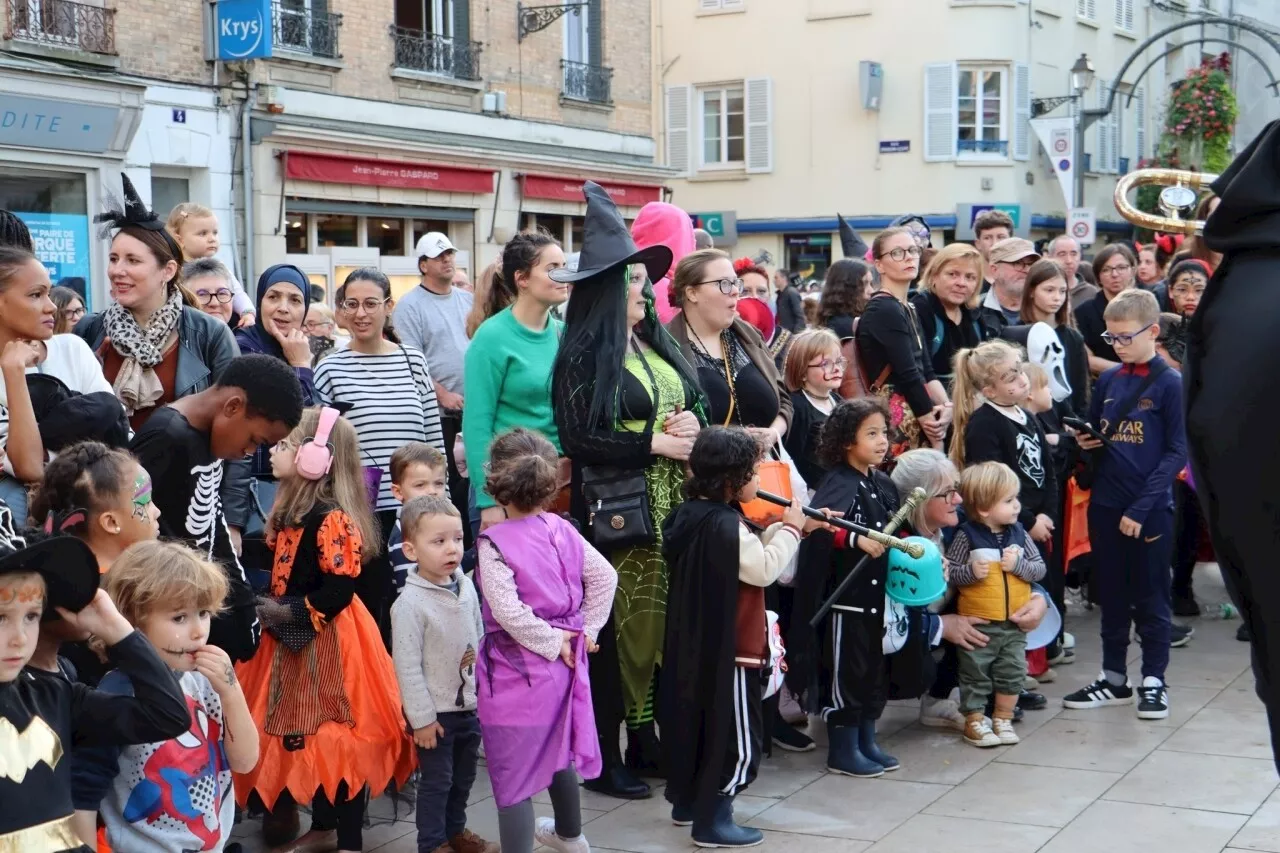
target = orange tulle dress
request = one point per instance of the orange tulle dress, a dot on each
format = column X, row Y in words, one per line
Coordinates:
column 322, row 688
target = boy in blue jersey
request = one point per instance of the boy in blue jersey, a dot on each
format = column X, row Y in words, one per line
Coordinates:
column 1138, row 407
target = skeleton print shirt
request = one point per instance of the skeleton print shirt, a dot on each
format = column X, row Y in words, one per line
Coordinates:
column 186, row 483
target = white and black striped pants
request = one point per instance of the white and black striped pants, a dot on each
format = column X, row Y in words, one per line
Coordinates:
column 856, row 691
column 742, row 760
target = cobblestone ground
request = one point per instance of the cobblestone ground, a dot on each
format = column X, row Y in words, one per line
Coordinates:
column 1201, row 781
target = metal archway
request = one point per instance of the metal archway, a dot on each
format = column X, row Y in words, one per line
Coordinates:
column 1274, row 85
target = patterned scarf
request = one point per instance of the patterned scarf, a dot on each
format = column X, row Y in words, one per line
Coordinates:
column 142, row 349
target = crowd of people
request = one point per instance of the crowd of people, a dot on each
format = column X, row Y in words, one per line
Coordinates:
column 265, row 552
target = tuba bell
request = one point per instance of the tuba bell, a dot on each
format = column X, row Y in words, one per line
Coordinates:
column 1179, row 194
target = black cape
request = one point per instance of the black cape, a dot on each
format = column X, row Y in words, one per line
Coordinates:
column 1232, row 387
column 821, row 567
column 700, row 543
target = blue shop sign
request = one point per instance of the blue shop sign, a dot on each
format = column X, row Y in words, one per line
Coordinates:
column 61, row 242
column 61, row 125
column 243, row 29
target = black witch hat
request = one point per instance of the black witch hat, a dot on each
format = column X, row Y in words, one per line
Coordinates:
column 607, row 244
column 851, row 244
column 132, row 211
column 68, row 566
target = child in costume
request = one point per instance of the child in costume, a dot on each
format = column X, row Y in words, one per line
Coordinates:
column 547, row 593
column 173, row 794
column 994, row 561
column 853, row 442
column 41, row 717
column 322, row 688
column 709, row 693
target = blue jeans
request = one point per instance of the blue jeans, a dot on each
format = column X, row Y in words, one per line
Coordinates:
column 445, row 776
column 14, row 495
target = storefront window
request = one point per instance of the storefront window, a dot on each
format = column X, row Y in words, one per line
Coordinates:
column 335, row 230
column 552, row 223
column 295, row 233
column 424, row 226
column 54, row 207
column 576, row 226
column 809, row 254
column 386, row 235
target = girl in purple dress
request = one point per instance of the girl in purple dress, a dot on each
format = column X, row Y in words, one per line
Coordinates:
column 547, row 594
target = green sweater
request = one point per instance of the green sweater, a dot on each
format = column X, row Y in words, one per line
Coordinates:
column 507, row 384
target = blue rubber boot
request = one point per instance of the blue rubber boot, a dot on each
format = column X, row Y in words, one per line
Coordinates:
column 868, row 746
column 714, row 826
column 844, row 755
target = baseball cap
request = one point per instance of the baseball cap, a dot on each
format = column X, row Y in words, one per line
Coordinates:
column 1011, row 250
column 433, row 244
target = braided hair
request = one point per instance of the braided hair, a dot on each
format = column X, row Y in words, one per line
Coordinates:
column 14, row 232
column 86, row 476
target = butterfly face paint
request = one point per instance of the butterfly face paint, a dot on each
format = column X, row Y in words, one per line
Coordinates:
column 141, row 500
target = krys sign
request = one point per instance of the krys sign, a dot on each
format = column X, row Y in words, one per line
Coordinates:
column 243, row 29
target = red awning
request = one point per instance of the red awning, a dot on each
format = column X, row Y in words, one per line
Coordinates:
column 560, row 188
column 341, row 169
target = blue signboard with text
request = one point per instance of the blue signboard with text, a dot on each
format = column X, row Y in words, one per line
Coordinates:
column 61, row 242
column 243, row 29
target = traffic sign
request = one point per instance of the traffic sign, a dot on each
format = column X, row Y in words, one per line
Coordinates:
column 1081, row 225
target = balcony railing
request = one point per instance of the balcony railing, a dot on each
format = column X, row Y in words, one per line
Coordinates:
column 984, row 146
column 435, row 54
column 586, row 82
column 295, row 27
column 63, row 23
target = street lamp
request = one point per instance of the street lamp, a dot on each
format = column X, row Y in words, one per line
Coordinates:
column 1082, row 74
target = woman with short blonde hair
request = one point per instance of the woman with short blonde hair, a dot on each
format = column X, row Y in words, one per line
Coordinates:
column 946, row 305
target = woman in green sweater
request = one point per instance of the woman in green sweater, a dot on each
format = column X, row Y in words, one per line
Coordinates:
column 508, row 365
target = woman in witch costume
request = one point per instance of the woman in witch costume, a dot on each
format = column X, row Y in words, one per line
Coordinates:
column 41, row 717
column 155, row 347
column 624, row 397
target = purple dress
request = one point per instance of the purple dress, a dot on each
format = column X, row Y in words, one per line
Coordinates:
column 535, row 715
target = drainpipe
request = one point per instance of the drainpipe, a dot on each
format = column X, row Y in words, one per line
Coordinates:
column 246, row 154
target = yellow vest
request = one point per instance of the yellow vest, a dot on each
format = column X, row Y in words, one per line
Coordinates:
column 994, row 597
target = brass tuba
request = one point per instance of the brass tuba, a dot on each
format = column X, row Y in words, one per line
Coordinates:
column 1179, row 194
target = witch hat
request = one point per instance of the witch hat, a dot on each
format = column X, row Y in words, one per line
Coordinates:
column 851, row 244
column 68, row 566
column 607, row 244
column 132, row 212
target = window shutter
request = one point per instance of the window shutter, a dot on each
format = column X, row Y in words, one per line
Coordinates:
column 595, row 32
column 709, row 5
column 940, row 113
column 1021, row 111
column 678, row 102
column 1102, row 162
column 759, row 123
column 1128, row 14
column 1115, row 138
column 462, row 20
column 1118, row 15
column 1140, row 119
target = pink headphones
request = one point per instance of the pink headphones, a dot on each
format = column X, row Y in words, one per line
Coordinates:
column 315, row 455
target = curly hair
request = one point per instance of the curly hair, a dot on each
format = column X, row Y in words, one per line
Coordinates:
column 270, row 387
column 723, row 460
column 843, row 292
column 523, row 470
column 87, row 476
column 840, row 430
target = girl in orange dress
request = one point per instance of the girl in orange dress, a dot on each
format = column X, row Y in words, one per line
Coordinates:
column 322, row 687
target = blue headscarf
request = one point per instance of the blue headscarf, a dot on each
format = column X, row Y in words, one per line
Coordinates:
column 278, row 274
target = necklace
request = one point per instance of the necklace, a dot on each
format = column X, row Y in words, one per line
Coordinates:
column 822, row 404
column 725, row 348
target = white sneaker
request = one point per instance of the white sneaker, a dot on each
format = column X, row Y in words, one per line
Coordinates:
column 941, row 713
column 544, row 832
column 1003, row 729
column 977, row 732
column 1068, row 640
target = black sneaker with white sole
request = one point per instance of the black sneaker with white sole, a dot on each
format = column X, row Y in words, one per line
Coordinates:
column 791, row 739
column 1180, row 635
column 1153, row 699
column 1100, row 694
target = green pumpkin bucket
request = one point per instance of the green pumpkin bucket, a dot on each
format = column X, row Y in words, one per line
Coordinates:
column 916, row 582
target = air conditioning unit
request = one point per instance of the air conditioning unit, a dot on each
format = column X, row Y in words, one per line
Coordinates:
column 271, row 99
column 494, row 102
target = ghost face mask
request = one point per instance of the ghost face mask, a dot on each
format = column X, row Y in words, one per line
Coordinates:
column 1044, row 348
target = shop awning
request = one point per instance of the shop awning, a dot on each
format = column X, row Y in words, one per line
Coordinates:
column 341, row 169
column 561, row 188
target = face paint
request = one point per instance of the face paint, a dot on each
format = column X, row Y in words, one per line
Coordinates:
column 27, row 592
column 141, row 495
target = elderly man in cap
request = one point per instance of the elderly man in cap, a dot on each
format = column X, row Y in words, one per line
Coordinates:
column 1009, row 261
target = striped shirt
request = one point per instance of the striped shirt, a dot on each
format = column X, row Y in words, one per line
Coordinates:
column 394, row 403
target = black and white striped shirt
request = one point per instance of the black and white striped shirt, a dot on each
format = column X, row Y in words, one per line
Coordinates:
column 394, row 403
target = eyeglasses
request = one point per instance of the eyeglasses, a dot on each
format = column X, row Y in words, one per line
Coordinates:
column 313, row 325
column 370, row 305
column 828, row 365
column 947, row 494
column 1118, row 269
column 206, row 297
column 1024, row 264
column 903, row 254
column 77, row 313
column 1123, row 340
column 728, row 286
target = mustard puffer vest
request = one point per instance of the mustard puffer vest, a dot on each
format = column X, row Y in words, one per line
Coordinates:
column 1000, row 593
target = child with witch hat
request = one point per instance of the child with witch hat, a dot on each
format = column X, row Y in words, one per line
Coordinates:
column 41, row 575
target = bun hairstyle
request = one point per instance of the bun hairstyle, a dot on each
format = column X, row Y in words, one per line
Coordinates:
column 87, row 476
column 490, row 297
column 376, row 276
column 520, row 255
column 523, row 470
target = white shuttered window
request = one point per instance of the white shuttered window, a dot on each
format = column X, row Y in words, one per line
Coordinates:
column 677, row 114
column 940, row 121
column 759, row 124
column 1021, row 111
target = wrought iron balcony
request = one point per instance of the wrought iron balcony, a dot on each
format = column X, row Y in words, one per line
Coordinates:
column 435, row 54
column 586, row 82
column 63, row 23
column 295, row 27
column 984, row 146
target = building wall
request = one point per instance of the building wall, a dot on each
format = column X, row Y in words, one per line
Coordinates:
column 826, row 146
column 162, row 39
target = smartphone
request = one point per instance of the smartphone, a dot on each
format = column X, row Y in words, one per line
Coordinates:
column 1084, row 426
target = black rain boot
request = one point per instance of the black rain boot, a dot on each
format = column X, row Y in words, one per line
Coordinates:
column 713, row 826
column 615, row 780
column 644, row 752
column 868, row 746
column 844, row 756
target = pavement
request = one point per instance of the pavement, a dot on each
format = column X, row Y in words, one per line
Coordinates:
column 1201, row 781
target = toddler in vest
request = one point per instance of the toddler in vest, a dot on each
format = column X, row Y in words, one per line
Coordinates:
column 993, row 561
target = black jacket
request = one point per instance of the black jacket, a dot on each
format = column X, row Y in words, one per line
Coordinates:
column 791, row 309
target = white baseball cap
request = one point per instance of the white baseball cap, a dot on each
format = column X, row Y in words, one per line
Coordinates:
column 433, row 244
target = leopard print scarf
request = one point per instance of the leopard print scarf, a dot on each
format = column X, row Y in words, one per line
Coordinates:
column 142, row 349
